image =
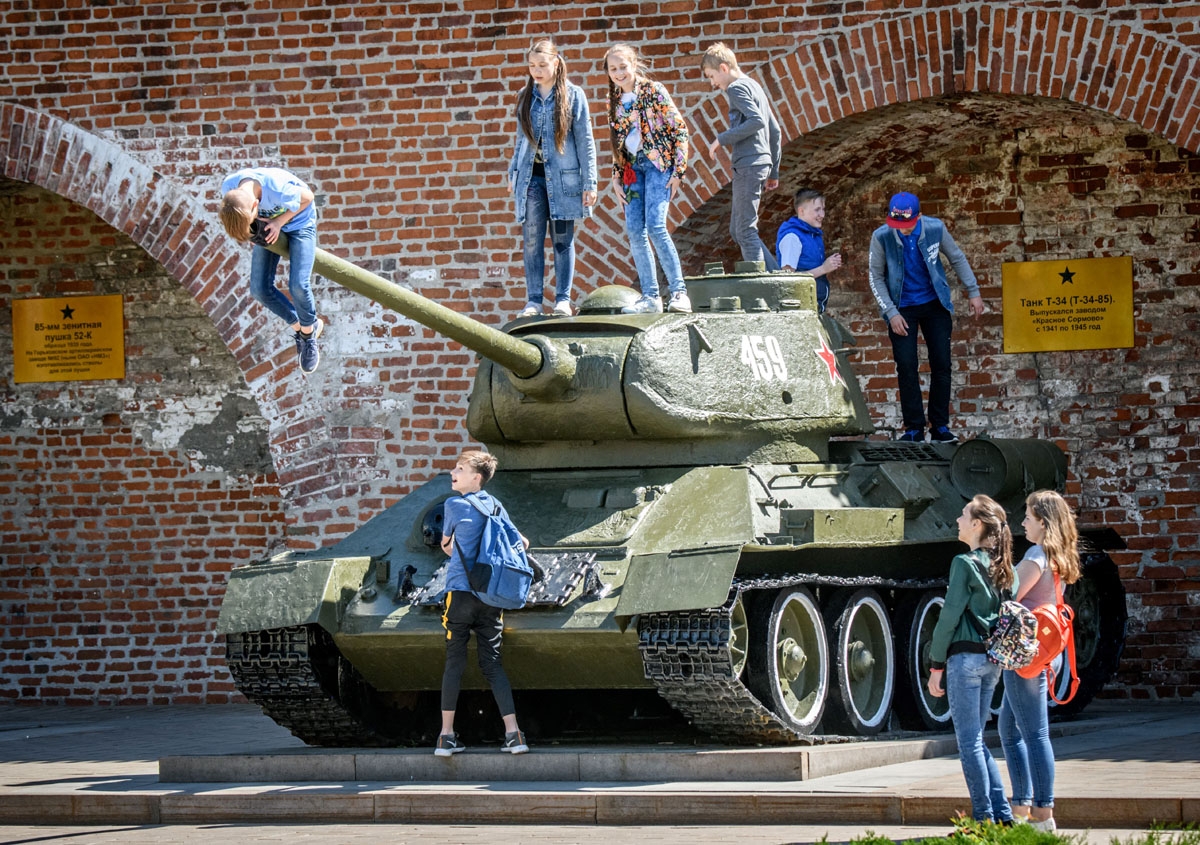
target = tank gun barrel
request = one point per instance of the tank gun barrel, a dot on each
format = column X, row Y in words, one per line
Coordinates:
column 520, row 357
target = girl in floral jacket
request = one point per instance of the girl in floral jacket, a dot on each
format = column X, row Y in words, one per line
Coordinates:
column 650, row 153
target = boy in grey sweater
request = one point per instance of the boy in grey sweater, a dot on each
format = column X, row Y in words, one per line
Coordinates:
column 753, row 140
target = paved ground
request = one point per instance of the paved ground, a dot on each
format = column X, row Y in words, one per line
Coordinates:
column 375, row 834
column 1120, row 767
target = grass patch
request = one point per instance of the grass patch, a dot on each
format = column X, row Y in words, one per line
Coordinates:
column 970, row 832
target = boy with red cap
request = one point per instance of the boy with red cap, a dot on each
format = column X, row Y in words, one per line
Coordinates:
column 909, row 283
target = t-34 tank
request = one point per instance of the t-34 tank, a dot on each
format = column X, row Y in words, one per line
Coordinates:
column 708, row 524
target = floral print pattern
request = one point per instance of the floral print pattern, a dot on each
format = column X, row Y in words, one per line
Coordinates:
column 664, row 132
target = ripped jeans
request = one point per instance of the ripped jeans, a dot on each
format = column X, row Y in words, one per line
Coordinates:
column 562, row 237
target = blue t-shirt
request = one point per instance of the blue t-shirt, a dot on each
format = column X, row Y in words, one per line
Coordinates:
column 918, row 286
column 280, row 193
column 462, row 520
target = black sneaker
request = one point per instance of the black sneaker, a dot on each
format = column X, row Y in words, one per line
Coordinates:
column 514, row 743
column 306, row 347
column 913, row 435
column 448, row 744
column 942, row 434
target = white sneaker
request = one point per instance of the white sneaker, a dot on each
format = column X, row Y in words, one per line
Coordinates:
column 680, row 303
column 644, row 305
column 1046, row 825
column 562, row 308
column 531, row 309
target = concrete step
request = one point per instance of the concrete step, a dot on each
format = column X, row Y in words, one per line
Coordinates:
column 551, row 764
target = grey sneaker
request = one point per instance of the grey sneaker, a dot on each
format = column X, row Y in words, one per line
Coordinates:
column 680, row 304
column 644, row 305
column 448, row 744
column 306, row 347
column 514, row 743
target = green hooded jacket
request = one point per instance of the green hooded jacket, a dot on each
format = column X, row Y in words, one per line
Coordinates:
column 969, row 586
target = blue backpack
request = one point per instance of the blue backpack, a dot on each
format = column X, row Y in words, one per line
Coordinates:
column 500, row 575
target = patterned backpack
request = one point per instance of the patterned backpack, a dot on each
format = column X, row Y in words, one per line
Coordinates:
column 1012, row 643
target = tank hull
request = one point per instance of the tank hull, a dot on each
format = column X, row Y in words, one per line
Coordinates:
column 655, row 571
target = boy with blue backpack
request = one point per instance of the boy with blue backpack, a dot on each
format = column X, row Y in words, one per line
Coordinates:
column 466, row 516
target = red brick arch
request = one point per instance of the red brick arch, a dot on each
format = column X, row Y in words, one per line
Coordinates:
column 159, row 215
column 1115, row 67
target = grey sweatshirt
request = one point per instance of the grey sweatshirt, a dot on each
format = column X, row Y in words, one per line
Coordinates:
column 753, row 135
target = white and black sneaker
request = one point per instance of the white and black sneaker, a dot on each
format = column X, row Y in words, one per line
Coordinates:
column 514, row 743
column 448, row 744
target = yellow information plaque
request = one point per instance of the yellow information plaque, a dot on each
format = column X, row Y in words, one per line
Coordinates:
column 1080, row 303
column 69, row 338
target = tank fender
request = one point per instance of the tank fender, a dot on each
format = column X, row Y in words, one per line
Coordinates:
column 681, row 580
column 685, row 553
column 287, row 592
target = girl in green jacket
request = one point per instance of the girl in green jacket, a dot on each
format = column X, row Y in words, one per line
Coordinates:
column 976, row 580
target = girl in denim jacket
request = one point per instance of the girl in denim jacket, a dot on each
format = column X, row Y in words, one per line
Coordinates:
column 552, row 174
column 650, row 153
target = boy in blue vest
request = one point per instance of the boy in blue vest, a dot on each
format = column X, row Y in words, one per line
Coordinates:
column 909, row 284
column 463, row 612
column 800, row 244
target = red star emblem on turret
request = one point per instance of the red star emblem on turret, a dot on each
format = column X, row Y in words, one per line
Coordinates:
column 826, row 355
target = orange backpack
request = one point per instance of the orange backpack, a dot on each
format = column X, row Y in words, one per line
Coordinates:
column 1055, row 634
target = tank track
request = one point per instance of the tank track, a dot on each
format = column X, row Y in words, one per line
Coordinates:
column 276, row 669
column 686, row 654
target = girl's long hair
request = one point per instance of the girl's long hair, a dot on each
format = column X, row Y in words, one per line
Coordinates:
column 996, row 539
column 1061, row 542
column 614, row 91
column 562, row 104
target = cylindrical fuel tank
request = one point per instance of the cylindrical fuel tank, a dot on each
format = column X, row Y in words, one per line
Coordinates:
column 1004, row 469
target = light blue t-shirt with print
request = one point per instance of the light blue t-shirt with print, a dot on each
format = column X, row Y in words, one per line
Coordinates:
column 281, row 192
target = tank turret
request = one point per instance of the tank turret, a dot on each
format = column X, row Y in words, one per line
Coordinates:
column 710, row 528
column 753, row 375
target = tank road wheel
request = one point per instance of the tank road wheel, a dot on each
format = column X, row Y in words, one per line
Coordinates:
column 914, row 706
column 862, row 660
column 788, row 659
column 739, row 637
column 1098, row 599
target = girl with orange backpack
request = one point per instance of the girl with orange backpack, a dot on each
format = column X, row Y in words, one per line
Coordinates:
column 1024, row 715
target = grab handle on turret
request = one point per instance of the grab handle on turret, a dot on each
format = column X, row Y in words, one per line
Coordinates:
column 521, row 358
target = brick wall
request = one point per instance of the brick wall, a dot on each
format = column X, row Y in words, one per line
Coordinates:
column 1039, row 131
column 123, row 504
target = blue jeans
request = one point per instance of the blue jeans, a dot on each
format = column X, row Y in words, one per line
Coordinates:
column 1025, row 736
column 562, row 237
column 970, row 682
column 263, row 264
column 646, row 224
column 302, row 308
column 743, row 214
column 935, row 324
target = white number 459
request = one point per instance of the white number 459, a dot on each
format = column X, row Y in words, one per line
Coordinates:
column 764, row 357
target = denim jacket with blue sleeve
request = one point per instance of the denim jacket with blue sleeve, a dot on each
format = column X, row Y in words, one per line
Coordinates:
column 886, row 265
column 568, row 173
